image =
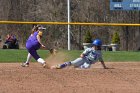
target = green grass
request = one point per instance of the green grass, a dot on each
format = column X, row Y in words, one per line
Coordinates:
column 11, row 55
column 109, row 56
column 121, row 56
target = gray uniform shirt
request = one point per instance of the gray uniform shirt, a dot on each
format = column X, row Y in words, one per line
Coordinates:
column 93, row 55
column 90, row 56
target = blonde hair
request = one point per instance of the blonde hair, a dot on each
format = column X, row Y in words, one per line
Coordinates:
column 34, row 29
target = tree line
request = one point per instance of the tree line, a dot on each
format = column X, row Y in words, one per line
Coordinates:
column 81, row 11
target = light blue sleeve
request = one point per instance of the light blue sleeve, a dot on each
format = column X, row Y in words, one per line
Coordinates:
column 86, row 51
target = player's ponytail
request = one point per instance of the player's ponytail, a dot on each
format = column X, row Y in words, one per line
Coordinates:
column 34, row 29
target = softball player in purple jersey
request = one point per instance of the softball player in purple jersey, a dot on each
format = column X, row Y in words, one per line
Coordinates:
column 88, row 57
column 33, row 44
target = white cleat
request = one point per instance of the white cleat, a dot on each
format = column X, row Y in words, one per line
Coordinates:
column 55, row 67
column 25, row 64
column 44, row 65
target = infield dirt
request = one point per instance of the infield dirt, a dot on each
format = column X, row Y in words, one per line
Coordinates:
column 122, row 77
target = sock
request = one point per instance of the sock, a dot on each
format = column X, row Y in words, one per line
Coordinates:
column 65, row 64
column 40, row 60
column 28, row 58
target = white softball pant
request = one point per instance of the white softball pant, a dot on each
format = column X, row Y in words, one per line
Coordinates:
column 81, row 62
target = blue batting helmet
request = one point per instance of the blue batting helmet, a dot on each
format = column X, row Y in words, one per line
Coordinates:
column 97, row 42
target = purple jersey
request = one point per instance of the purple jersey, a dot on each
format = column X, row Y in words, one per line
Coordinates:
column 32, row 42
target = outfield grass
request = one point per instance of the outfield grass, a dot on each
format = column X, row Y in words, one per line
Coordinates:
column 122, row 56
column 11, row 55
column 109, row 56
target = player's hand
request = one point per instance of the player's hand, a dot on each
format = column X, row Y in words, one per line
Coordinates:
column 81, row 55
column 43, row 46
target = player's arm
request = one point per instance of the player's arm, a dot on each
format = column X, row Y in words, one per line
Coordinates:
column 103, row 64
column 39, row 38
column 85, row 53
